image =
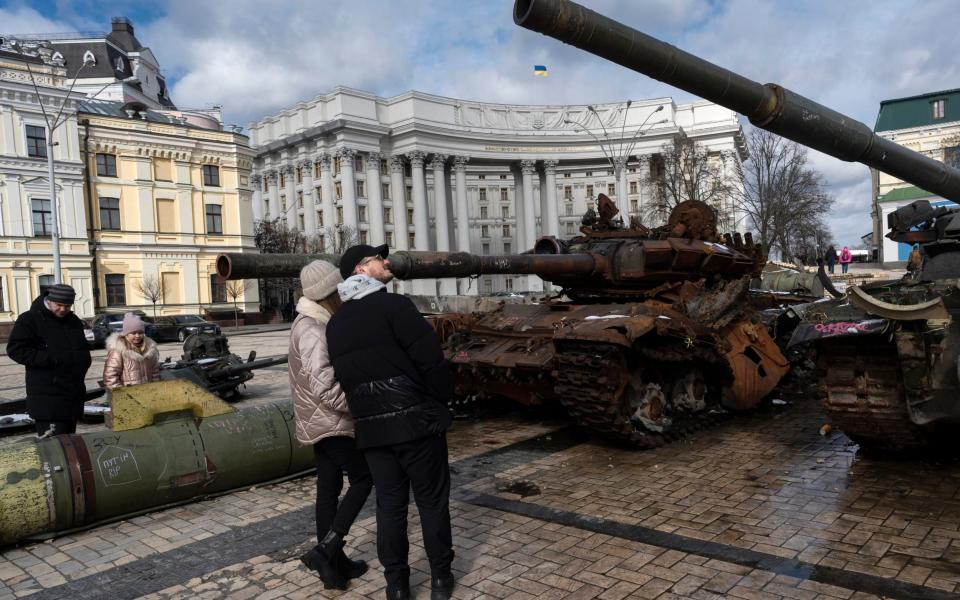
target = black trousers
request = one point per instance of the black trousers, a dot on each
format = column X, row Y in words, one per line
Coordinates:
column 334, row 455
column 422, row 465
column 59, row 427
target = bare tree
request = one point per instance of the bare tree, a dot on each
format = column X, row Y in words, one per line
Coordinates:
column 686, row 170
column 235, row 289
column 274, row 237
column 332, row 240
column 151, row 289
column 783, row 197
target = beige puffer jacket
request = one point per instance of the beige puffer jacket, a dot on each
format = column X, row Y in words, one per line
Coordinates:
column 126, row 366
column 319, row 405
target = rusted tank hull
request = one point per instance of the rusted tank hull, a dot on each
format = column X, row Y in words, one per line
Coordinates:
column 639, row 374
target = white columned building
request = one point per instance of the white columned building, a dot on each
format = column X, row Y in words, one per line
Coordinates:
column 485, row 178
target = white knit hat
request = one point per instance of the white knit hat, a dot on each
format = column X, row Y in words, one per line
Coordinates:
column 319, row 279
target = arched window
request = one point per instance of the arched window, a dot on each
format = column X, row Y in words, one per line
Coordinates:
column 119, row 63
column 88, row 57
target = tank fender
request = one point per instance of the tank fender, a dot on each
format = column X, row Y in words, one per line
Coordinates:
column 610, row 329
column 755, row 361
column 922, row 311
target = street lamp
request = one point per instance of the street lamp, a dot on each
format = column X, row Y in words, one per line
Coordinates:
column 51, row 127
column 625, row 146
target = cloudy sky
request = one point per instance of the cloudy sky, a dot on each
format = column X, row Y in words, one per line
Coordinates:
column 256, row 57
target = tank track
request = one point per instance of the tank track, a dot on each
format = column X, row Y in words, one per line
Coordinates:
column 591, row 380
column 862, row 391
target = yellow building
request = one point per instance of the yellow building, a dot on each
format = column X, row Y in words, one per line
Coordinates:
column 166, row 193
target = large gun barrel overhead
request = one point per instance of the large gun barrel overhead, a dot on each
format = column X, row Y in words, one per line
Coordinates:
column 425, row 265
column 768, row 106
column 235, row 265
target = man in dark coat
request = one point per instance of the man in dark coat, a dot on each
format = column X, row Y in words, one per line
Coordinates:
column 48, row 340
column 390, row 363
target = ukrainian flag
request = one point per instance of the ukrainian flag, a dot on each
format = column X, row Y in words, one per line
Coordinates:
column 540, row 70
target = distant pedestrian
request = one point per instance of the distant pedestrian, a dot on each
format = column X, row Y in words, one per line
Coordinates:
column 49, row 341
column 830, row 258
column 287, row 311
column 398, row 384
column 915, row 261
column 846, row 257
column 323, row 420
column 132, row 357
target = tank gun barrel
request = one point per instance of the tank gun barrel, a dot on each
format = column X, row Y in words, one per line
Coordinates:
column 251, row 365
column 426, row 265
column 768, row 106
column 236, row 265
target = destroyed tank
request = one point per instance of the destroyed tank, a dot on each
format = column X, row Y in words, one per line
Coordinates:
column 655, row 340
column 888, row 351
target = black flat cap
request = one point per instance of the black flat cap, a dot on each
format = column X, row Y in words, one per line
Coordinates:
column 61, row 293
column 354, row 254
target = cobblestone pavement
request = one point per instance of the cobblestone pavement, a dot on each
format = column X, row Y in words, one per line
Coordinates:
column 759, row 507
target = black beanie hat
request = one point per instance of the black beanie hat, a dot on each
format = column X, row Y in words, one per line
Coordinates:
column 61, row 293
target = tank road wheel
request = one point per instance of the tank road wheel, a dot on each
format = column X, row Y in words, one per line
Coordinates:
column 643, row 405
column 862, row 391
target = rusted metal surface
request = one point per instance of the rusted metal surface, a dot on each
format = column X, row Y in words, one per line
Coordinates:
column 756, row 363
column 931, row 309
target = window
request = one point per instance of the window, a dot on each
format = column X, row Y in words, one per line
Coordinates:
column 505, row 212
column 266, row 184
column 322, row 241
column 938, row 108
column 481, row 177
column 211, row 175
column 385, row 191
column 409, row 215
column 319, row 218
column 388, row 238
column 633, row 205
column 568, row 208
column 336, row 165
column 633, row 187
column 110, row 213
column 338, row 190
column 951, row 156
column 566, row 175
column 106, row 165
column 412, row 240
column 484, row 231
column 299, row 199
column 116, row 290
column 567, row 192
column 589, row 192
column 503, row 177
column 36, row 141
column 44, row 282
column 166, row 216
column 361, row 190
column 214, row 218
column 282, row 179
column 383, row 167
column 483, row 194
column 387, row 215
column 299, row 175
column 611, row 189
column 483, row 212
column 485, row 248
column 163, row 169
column 283, row 204
column 506, row 231
column 301, row 223
column 42, row 218
column 362, row 236
column 589, row 173
column 358, row 163
column 504, row 195
column 218, row 289
column 339, row 215
column 362, row 214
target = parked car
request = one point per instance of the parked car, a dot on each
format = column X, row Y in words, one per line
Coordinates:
column 179, row 328
column 107, row 323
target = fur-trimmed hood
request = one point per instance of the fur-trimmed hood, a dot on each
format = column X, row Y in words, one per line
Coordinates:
column 120, row 343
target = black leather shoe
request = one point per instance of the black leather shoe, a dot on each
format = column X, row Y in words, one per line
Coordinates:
column 399, row 592
column 351, row 569
column 441, row 586
column 329, row 572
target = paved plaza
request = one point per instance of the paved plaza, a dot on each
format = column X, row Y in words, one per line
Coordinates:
column 760, row 507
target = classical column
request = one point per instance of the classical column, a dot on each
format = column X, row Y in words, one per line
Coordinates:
column 256, row 182
column 274, row 191
column 644, row 188
column 463, row 210
column 326, row 194
column 441, row 211
column 529, row 237
column 290, row 215
column 309, row 210
column 349, row 187
column 620, row 168
column 551, row 220
column 375, row 199
column 401, row 229
column 421, row 224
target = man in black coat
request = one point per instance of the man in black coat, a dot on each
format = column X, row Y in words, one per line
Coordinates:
column 48, row 340
column 390, row 363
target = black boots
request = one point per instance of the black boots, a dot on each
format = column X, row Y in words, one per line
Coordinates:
column 399, row 590
column 330, row 562
column 441, row 585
